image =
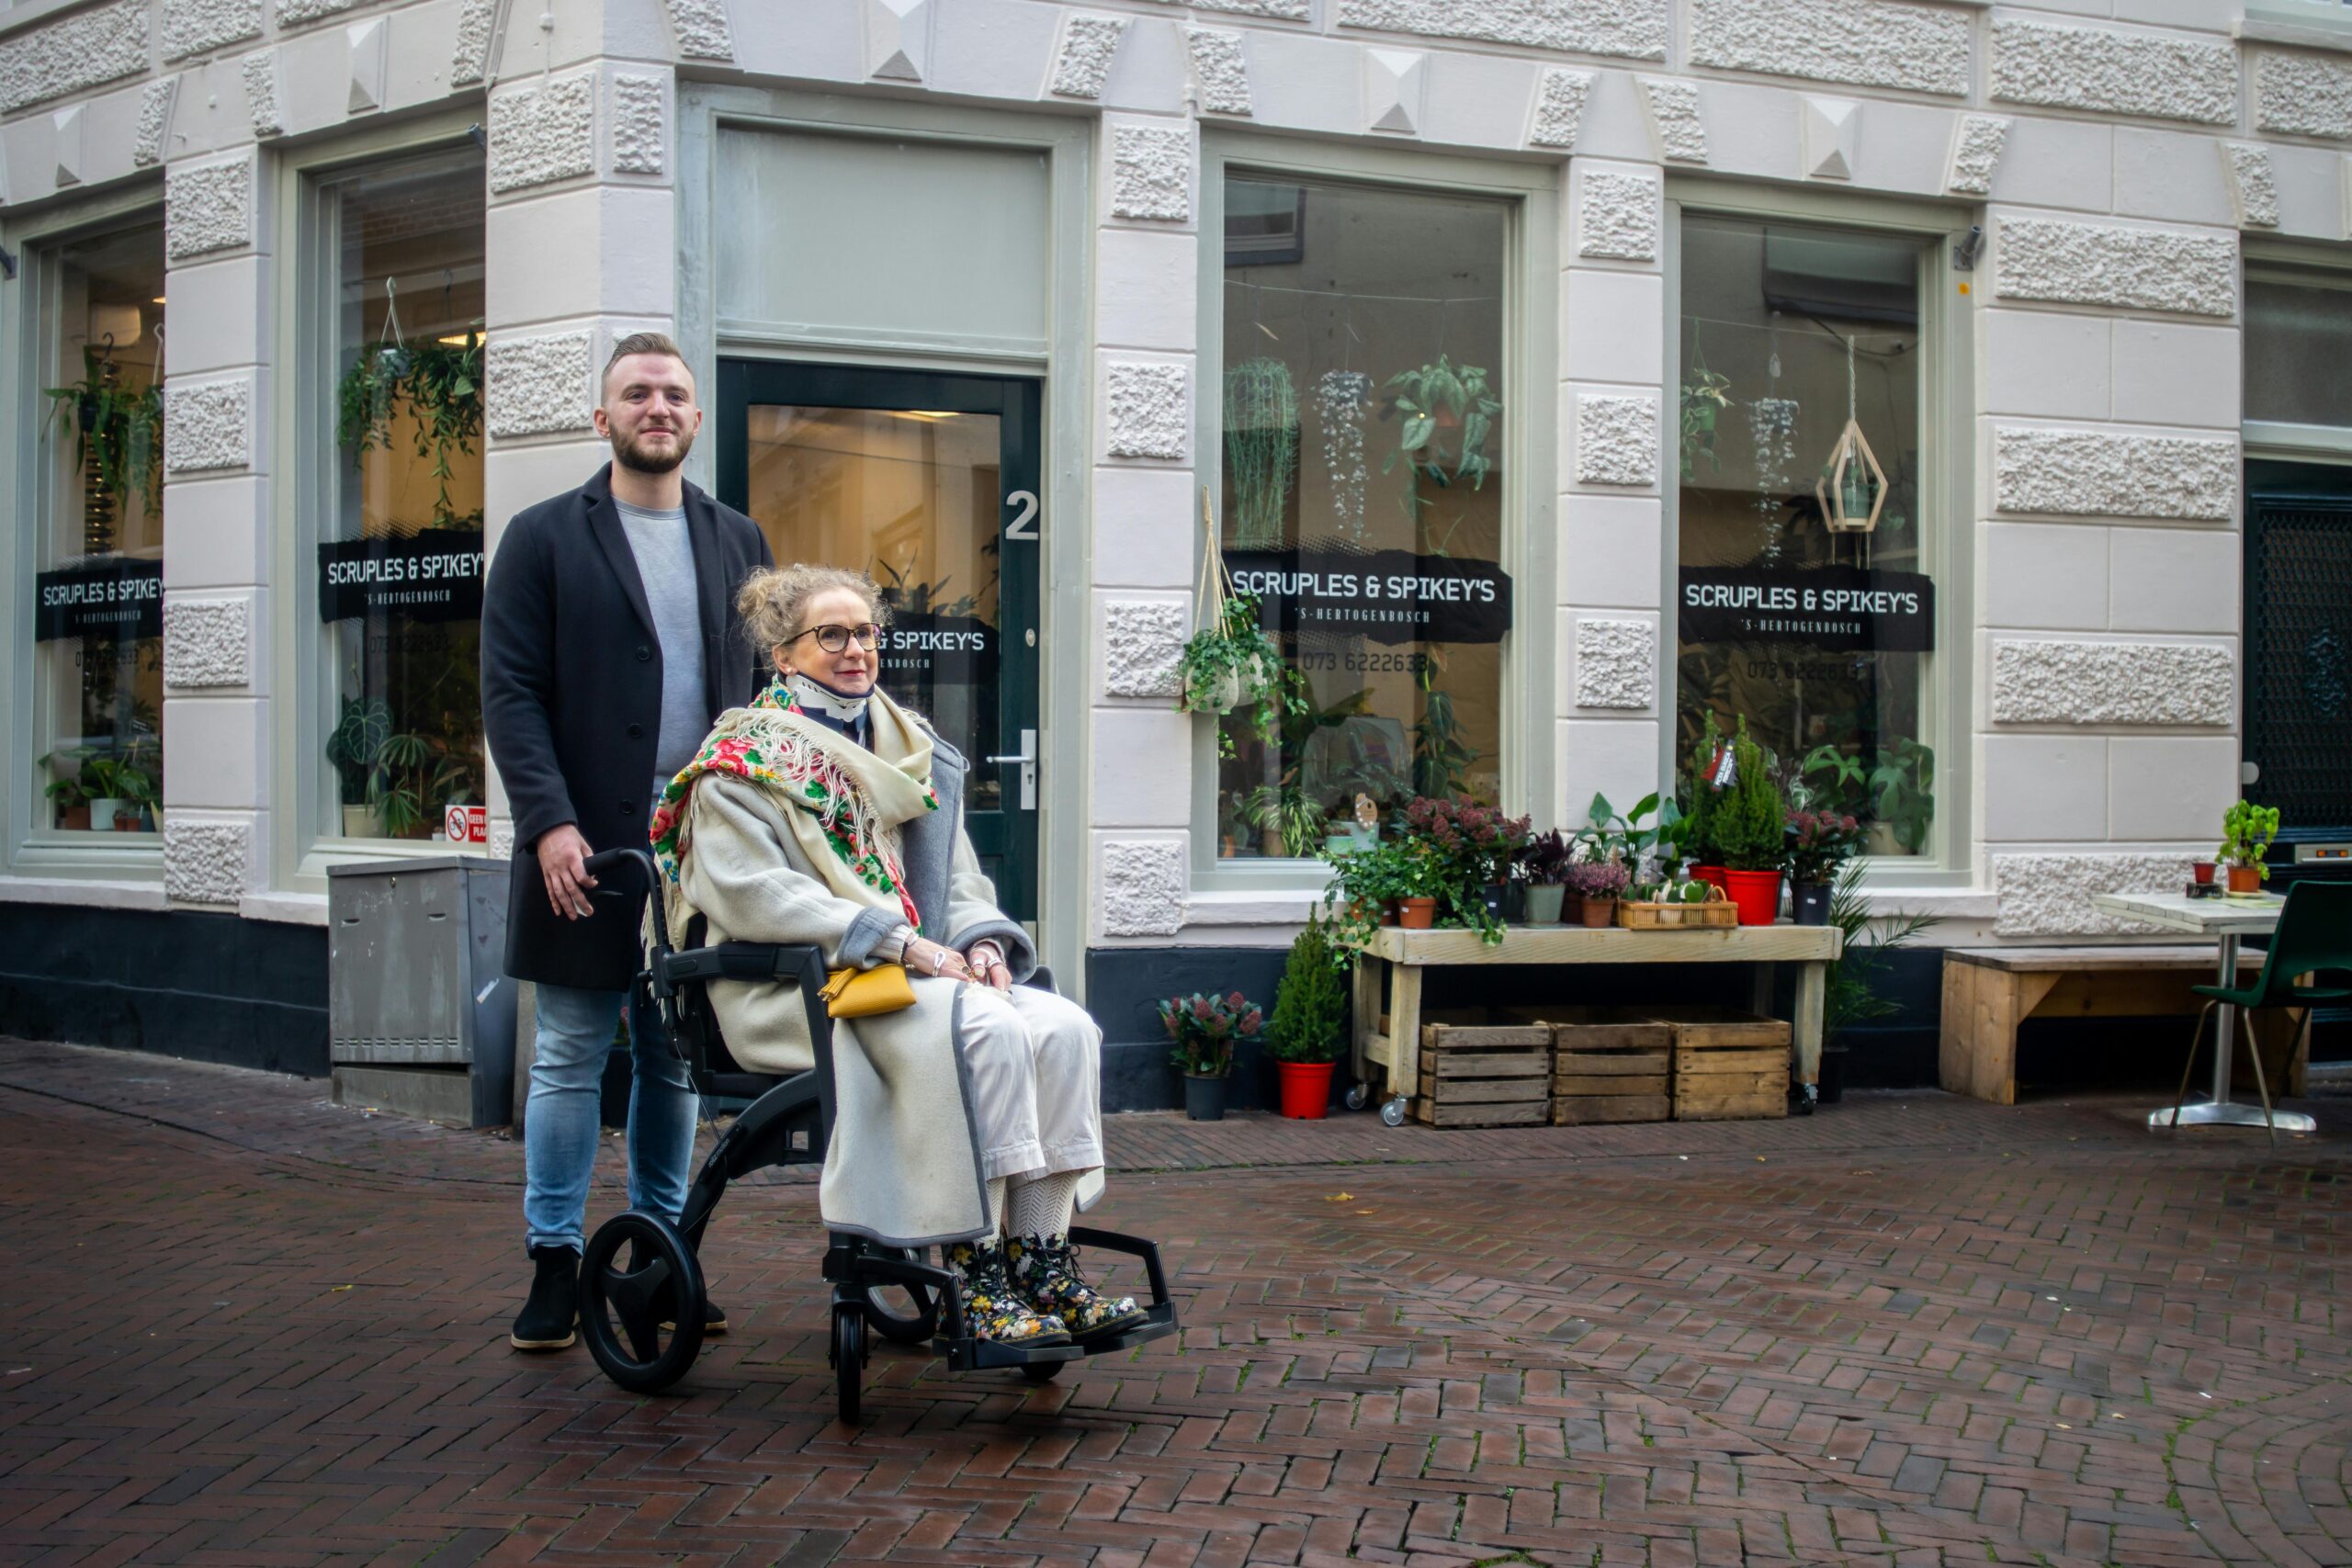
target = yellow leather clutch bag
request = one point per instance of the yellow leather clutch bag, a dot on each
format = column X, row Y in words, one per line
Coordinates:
column 864, row 993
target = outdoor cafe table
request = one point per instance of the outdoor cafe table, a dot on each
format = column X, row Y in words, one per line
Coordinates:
column 1405, row 954
column 2228, row 919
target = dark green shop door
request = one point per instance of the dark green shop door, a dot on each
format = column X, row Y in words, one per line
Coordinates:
column 2299, row 653
column 930, row 482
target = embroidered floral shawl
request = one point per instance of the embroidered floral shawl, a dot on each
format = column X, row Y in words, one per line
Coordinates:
column 847, row 799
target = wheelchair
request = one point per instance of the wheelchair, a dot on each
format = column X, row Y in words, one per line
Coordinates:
column 642, row 1314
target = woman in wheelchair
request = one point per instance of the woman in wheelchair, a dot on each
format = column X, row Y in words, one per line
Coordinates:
column 826, row 814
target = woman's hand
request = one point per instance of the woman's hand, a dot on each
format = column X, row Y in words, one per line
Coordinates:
column 987, row 963
column 925, row 957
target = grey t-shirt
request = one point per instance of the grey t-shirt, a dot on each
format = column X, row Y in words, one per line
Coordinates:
column 665, row 561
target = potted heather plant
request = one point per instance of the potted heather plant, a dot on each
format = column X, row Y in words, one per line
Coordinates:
column 1205, row 1029
column 1819, row 841
column 1545, row 862
column 1304, row 1035
column 1598, row 884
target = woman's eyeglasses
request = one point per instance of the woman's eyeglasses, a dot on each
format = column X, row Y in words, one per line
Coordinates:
column 833, row 640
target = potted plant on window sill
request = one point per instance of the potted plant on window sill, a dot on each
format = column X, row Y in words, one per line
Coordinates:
column 1306, row 1031
column 2247, row 831
column 1545, row 862
column 69, row 801
column 116, row 788
column 1749, row 825
column 1819, row 841
column 1205, row 1029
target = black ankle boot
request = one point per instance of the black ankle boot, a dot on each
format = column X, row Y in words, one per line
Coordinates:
column 549, row 1320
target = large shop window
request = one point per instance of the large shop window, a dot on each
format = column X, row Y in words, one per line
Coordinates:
column 397, row 583
column 98, row 600
column 1805, row 606
column 1363, row 497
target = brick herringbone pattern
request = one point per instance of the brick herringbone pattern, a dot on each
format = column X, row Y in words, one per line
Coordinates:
column 1909, row 1330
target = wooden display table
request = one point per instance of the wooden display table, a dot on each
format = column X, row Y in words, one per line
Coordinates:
column 1407, row 953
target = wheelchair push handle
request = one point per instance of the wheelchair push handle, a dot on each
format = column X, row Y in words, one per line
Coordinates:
column 648, row 877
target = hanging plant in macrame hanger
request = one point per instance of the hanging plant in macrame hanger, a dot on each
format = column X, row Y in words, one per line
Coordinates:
column 1260, row 449
column 1852, row 487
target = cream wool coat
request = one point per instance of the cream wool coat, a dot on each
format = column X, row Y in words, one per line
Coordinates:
column 903, row 1167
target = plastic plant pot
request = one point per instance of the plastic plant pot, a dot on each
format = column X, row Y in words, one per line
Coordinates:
column 1756, row 894
column 1204, row 1099
column 1544, row 904
column 1305, row 1088
column 1711, row 875
column 2203, row 870
column 1811, row 902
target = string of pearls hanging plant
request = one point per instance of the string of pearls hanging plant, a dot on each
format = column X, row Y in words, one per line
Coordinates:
column 1341, row 399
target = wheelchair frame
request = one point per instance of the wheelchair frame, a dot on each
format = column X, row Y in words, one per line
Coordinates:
column 644, row 1322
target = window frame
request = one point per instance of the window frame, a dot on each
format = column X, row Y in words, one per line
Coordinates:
column 1530, row 381
column 1947, row 485
column 301, row 849
column 34, row 238
column 2263, row 260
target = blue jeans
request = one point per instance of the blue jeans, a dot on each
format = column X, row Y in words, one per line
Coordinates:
column 560, row 1122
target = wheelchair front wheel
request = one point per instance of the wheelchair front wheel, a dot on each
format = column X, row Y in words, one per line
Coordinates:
column 622, row 1309
column 883, row 1302
column 849, row 1358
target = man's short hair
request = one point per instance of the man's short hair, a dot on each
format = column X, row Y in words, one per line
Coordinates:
column 640, row 342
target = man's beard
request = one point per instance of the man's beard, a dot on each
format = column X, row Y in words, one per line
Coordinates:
column 631, row 454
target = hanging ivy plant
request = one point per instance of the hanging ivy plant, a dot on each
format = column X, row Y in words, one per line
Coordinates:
column 1234, row 663
column 440, row 385
column 118, row 428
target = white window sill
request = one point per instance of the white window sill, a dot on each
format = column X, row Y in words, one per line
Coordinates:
column 90, row 892
column 2302, row 35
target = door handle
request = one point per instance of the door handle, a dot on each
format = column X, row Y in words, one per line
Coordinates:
column 1027, row 758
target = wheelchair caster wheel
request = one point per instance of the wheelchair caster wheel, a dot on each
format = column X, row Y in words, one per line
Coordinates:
column 622, row 1310
column 1392, row 1112
column 883, row 1304
column 1042, row 1371
column 1359, row 1097
column 849, row 1358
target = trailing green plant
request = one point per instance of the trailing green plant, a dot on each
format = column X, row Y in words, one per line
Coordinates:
column 1430, row 400
column 1205, row 1027
column 118, row 428
column 1364, row 882
column 1903, row 792
column 2247, row 831
column 1311, row 1002
column 1850, row 993
column 1236, row 663
column 1705, row 397
column 1751, row 819
column 1261, row 448
column 440, row 384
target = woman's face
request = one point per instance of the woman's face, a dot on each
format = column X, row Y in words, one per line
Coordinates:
column 851, row 670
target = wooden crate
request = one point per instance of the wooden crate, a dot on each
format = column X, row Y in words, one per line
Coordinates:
column 1609, row 1065
column 1479, row 1070
column 1729, row 1066
column 1642, row 915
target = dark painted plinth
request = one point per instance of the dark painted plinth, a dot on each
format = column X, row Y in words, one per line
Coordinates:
column 201, row 987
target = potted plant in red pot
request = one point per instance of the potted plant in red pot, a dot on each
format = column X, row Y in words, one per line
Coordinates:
column 1819, row 842
column 1205, row 1029
column 1749, row 825
column 1304, row 1035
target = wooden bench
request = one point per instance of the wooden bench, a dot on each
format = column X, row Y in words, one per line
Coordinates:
column 1988, row 991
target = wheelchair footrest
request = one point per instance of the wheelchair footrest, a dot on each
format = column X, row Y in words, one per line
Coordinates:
column 976, row 1354
column 1159, row 1322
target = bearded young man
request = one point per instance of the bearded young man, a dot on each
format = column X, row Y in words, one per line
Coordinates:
column 610, row 643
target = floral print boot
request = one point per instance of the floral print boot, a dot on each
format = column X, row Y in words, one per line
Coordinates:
column 993, row 1310
column 1045, row 1271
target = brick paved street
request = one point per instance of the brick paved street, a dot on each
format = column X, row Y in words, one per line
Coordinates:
column 243, row 1328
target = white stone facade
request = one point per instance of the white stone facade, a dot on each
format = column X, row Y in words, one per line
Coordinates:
column 2115, row 165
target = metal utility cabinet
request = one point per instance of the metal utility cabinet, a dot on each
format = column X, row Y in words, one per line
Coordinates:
column 420, row 1014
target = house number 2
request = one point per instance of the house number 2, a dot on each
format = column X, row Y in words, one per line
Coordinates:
column 1024, row 521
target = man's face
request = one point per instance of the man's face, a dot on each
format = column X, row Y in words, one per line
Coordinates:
column 650, row 413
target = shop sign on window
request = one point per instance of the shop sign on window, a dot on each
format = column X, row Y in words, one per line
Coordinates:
column 122, row 599
column 1834, row 609
column 432, row 576
column 939, row 650
column 1391, row 596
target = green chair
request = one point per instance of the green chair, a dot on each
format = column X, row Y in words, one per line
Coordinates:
column 2314, row 939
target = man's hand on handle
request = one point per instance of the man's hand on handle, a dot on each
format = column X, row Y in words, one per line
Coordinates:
column 563, row 856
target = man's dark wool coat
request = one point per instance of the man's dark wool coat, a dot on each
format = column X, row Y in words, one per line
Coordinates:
column 572, row 704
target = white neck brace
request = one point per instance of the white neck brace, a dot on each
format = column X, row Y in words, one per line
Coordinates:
column 823, row 702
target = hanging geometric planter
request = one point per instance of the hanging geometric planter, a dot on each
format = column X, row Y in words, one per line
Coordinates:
column 1852, row 487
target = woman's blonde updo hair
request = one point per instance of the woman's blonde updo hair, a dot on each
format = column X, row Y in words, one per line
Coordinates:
column 774, row 598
